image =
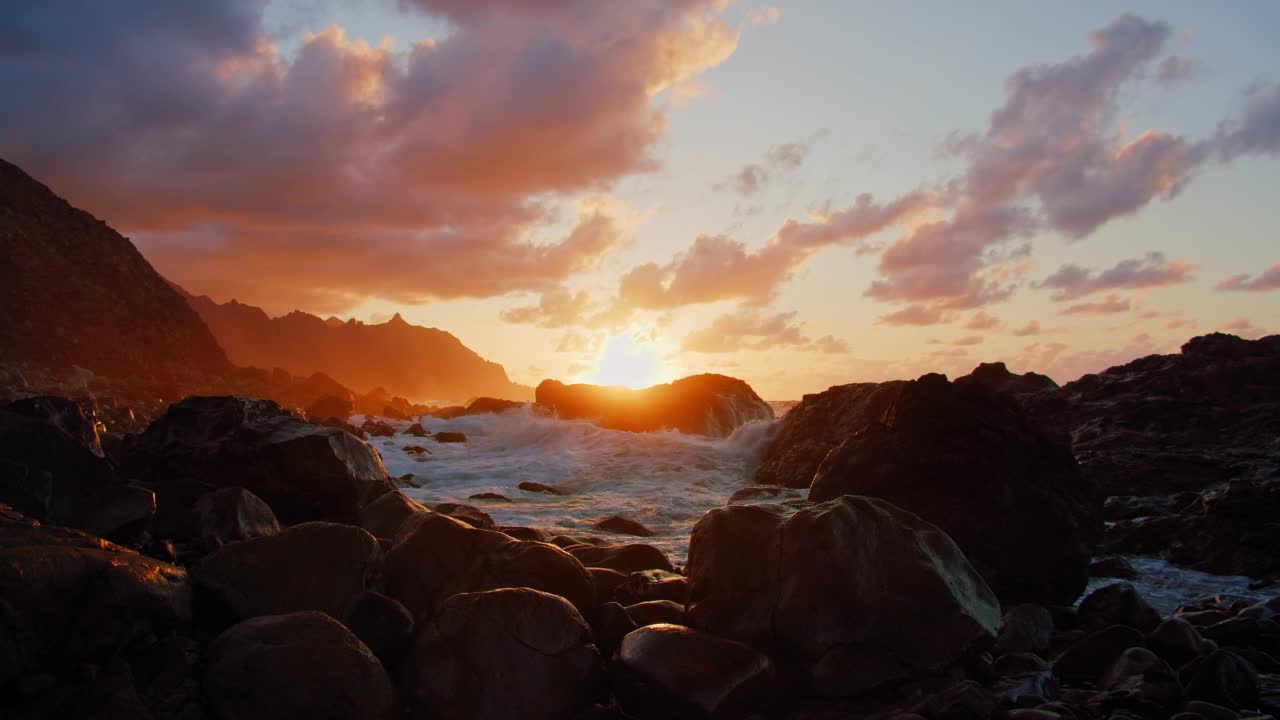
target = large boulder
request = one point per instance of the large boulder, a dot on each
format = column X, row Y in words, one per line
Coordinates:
column 665, row 671
column 301, row 665
column 330, row 406
column 700, row 404
column 384, row 516
column 855, row 591
column 508, row 653
column 47, row 472
column 66, row 415
column 436, row 557
column 69, row 597
column 232, row 514
column 971, row 461
column 312, row 566
column 303, row 471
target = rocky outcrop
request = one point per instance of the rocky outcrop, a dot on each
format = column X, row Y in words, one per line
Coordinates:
column 46, row 472
column 996, row 376
column 886, row 596
column 971, row 461
column 405, row 359
column 510, row 653
column 301, row 665
column 233, row 514
column 708, row 404
column 303, row 471
column 75, row 293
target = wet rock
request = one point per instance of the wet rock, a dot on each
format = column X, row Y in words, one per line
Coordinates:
column 416, row 450
column 1026, row 690
column 606, row 582
column 65, row 415
column 666, row 671
column 754, row 493
column 538, row 487
column 377, row 428
column 623, row 558
column 609, row 624
column 449, row 437
column 330, row 406
column 652, row 585
column 1209, row 711
column 1147, row 680
column 70, row 597
column 622, row 526
column 303, row 471
column 656, row 611
column 312, row 566
column 501, row 654
column 486, row 405
column 1117, row 604
column 706, row 404
column 520, row 532
column 1088, row 658
column 972, row 462
column 382, row 624
column 120, row 513
column 1224, row 678
column 888, row 595
column 489, row 496
column 416, row 430
column 384, row 517
column 342, row 425
column 439, row 557
column 469, row 514
column 1176, row 640
column 1112, row 566
column 1027, row 628
column 233, row 514
column 301, row 665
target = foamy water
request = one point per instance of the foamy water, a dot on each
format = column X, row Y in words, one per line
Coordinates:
column 663, row 480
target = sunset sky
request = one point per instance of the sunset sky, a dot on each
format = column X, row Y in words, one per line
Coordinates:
column 799, row 194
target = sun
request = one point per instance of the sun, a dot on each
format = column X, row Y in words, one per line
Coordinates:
column 626, row 362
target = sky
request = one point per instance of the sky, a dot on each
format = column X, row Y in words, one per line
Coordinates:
column 798, row 194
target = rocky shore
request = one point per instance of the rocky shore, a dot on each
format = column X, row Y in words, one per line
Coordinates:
column 235, row 560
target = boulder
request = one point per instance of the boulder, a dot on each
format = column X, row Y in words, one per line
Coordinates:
column 1144, row 678
column 653, row 612
column 487, row 405
column 707, row 404
column 971, row 461
column 995, row 376
column 609, row 624
column 232, row 514
column 438, row 557
column 1027, row 629
column 520, row 532
column 330, row 406
column 377, row 428
column 1088, row 658
column 69, row 597
column 623, row 558
column 652, row 585
column 858, row 592
column 300, row 665
column 303, row 471
column 606, row 582
column 449, row 437
column 312, row 566
column 383, row 624
column 490, row 496
column 501, row 654
column 46, row 472
column 622, row 526
column 469, row 514
column 1224, row 678
column 118, row 512
column 1176, row 640
column 66, row 415
column 1117, row 604
column 666, row 671
column 416, row 430
column 384, row 517
column 754, row 493
column 537, row 487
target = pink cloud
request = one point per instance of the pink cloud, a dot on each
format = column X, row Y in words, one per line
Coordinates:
column 1264, row 281
column 750, row 329
column 1071, row 282
column 1110, row 305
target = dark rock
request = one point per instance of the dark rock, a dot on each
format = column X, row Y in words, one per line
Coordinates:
column 330, row 406
column 995, row 376
column 1176, row 640
column 1145, row 678
column 448, row 412
column 232, row 514
column 1224, row 678
column 971, row 461
column 1205, row 618
column 408, row 481
column 119, row 513
column 521, row 532
column 606, row 582
column 342, row 425
column 1209, row 711
column 377, row 428
column 382, row 624
column 623, row 558
column 312, row 566
column 1112, row 566
column 489, row 496
column 66, row 415
column 1087, row 659
column 439, row 557
column 1026, row 690
column 510, row 653
column 468, row 514
column 707, row 404
column 485, row 405
column 1236, row 631
column 301, row 665
column 1117, row 604
column 753, row 493
column 70, row 597
column 384, row 517
column 1018, row 663
column 860, row 592
column 609, row 624
column 303, row 471
column 966, row 700
column 449, row 437
column 656, row 611
column 46, row 473
column 622, row 526
column 1027, row 628
column 1231, row 530
column 666, row 671
column 652, row 585
column 417, row 430
column 416, row 450
column 538, row 487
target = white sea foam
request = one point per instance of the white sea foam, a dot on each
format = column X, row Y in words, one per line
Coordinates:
column 664, row 480
column 1166, row 586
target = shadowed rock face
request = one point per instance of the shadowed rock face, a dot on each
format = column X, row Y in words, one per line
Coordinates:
column 996, row 376
column 971, row 461
column 74, row 292
column 856, row 592
column 707, row 404
column 303, row 471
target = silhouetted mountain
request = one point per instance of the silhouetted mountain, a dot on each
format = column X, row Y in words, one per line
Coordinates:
column 74, row 292
column 417, row 362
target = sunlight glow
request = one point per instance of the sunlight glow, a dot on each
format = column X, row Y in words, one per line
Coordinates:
column 628, row 363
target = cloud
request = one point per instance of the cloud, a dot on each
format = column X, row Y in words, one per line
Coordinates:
column 1071, row 282
column 1242, row 327
column 750, row 329
column 957, row 342
column 556, row 308
column 1173, row 69
column 443, row 155
column 1264, row 281
column 778, row 160
column 1256, row 131
column 574, row 341
column 1031, row 328
column 915, row 315
column 1110, row 305
column 1059, row 362
column 982, row 321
